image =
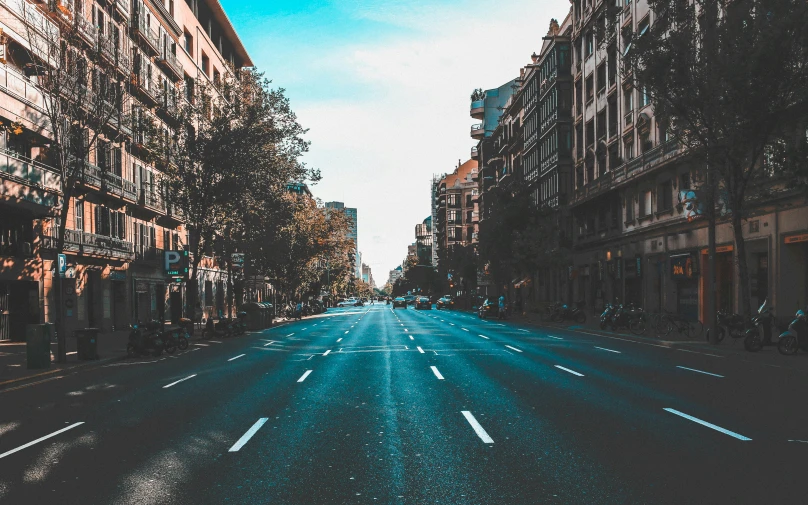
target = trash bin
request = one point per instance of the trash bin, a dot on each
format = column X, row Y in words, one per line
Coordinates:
column 37, row 345
column 86, row 343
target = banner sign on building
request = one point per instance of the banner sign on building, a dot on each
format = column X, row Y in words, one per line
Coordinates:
column 683, row 266
column 794, row 239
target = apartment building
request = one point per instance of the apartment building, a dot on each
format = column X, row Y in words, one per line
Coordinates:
column 423, row 240
column 120, row 223
column 634, row 238
column 457, row 214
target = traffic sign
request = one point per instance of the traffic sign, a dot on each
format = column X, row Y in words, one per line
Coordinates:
column 176, row 263
column 62, row 262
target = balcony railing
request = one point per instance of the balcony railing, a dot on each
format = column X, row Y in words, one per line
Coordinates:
column 87, row 30
column 171, row 63
column 474, row 153
column 18, row 85
column 118, row 186
column 82, row 242
column 43, row 182
column 146, row 33
column 149, row 254
column 123, row 7
column 477, row 109
column 152, row 200
column 477, row 130
column 106, row 45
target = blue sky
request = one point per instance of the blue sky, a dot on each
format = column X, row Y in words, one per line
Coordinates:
column 383, row 86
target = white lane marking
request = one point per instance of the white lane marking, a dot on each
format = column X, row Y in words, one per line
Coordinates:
column 214, row 341
column 437, row 374
column 477, row 428
column 557, row 338
column 573, row 372
column 269, row 343
column 303, row 377
column 304, row 329
column 464, row 329
column 406, row 330
column 346, row 333
column 442, row 321
column 484, row 337
column 247, row 436
column 610, row 350
column 202, row 345
column 327, row 352
column 625, row 339
column 71, row 353
column 709, row 425
column 289, row 335
column 411, row 338
column 801, row 441
column 699, row 371
column 339, row 339
column 520, row 329
column 177, row 382
column 500, row 324
column 420, row 350
column 514, row 348
column 236, row 357
column 704, row 353
column 452, row 324
column 40, row 439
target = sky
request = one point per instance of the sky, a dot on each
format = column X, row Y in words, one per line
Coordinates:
column 383, row 87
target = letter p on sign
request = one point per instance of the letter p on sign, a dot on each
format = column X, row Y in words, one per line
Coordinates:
column 172, row 259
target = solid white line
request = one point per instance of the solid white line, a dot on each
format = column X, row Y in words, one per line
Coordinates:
column 339, row 339
column 303, row 377
column 514, row 348
column 573, row 372
column 709, row 425
column 477, row 428
column 699, row 371
column 464, row 329
column 437, row 374
column 411, row 338
column 484, row 337
column 420, row 350
column 327, row 352
column 177, row 382
column 29, row 444
column 247, row 436
column 236, row 357
column 610, row 350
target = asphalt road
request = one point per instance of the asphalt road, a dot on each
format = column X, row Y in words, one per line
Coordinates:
column 371, row 405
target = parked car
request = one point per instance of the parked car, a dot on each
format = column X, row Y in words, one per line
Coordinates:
column 423, row 303
column 489, row 308
column 350, row 302
column 445, row 302
column 410, row 299
column 359, row 303
column 400, row 302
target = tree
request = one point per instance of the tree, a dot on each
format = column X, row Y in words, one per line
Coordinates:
column 727, row 79
column 237, row 146
column 81, row 76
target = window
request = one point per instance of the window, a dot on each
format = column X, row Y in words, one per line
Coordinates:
column 171, row 7
column 590, row 88
column 628, row 101
column 205, row 64
column 189, row 89
column 684, row 181
column 642, row 26
column 451, row 232
column 79, row 215
column 628, row 149
column 644, row 100
column 629, row 208
column 601, row 78
column 590, row 44
column 590, row 133
column 645, row 142
column 645, row 203
column 189, row 43
column 665, row 196
column 217, row 78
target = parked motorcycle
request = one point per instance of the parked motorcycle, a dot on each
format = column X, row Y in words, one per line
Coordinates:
column 222, row 328
column 795, row 337
column 144, row 342
column 565, row 312
column 752, row 342
column 734, row 325
column 240, row 324
column 606, row 316
column 629, row 317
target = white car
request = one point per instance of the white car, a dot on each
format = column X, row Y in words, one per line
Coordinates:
column 350, row 302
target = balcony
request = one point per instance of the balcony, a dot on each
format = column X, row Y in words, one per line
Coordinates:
column 167, row 106
column 146, row 33
column 152, row 200
column 119, row 187
column 475, row 153
column 91, row 175
column 171, row 64
column 149, row 255
column 82, row 242
column 87, row 30
column 123, row 7
column 36, row 182
column 629, row 171
column 478, row 109
column 148, row 88
column 477, row 131
column 107, row 48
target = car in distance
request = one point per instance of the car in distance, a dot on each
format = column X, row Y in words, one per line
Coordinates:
column 445, row 302
column 400, row 302
column 489, row 308
column 423, row 303
column 410, row 299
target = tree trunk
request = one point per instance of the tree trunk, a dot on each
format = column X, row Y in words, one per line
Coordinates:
column 58, row 290
column 745, row 306
column 712, row 300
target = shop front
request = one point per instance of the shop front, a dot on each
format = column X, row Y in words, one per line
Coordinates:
column 684, row 271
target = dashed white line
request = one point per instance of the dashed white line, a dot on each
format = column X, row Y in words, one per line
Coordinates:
column 610, row 350
column 477, row 428
column 339, row 339
column 573, row 372
column 346, row 333
column 420, row 350
column 557, row 338
column 436, row 372
column 411, row 338
column 202, row 345
column 303, row 377
column 406, row 330
column 709, row 425
column 520, row 329
column 514, row 348
column 40, row 439
column 327, row 352
column 177, row 382
column 464, row 329
column 214, row 341
column 289, row 335
column 699, row 371
column 452, row 324
column 483, row 336
column 236, row 357
column 247, row 436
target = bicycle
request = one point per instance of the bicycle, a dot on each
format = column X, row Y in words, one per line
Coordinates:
column 671, row 322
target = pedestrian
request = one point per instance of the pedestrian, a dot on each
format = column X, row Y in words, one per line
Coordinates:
column 198, row 313
column 501, row 306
